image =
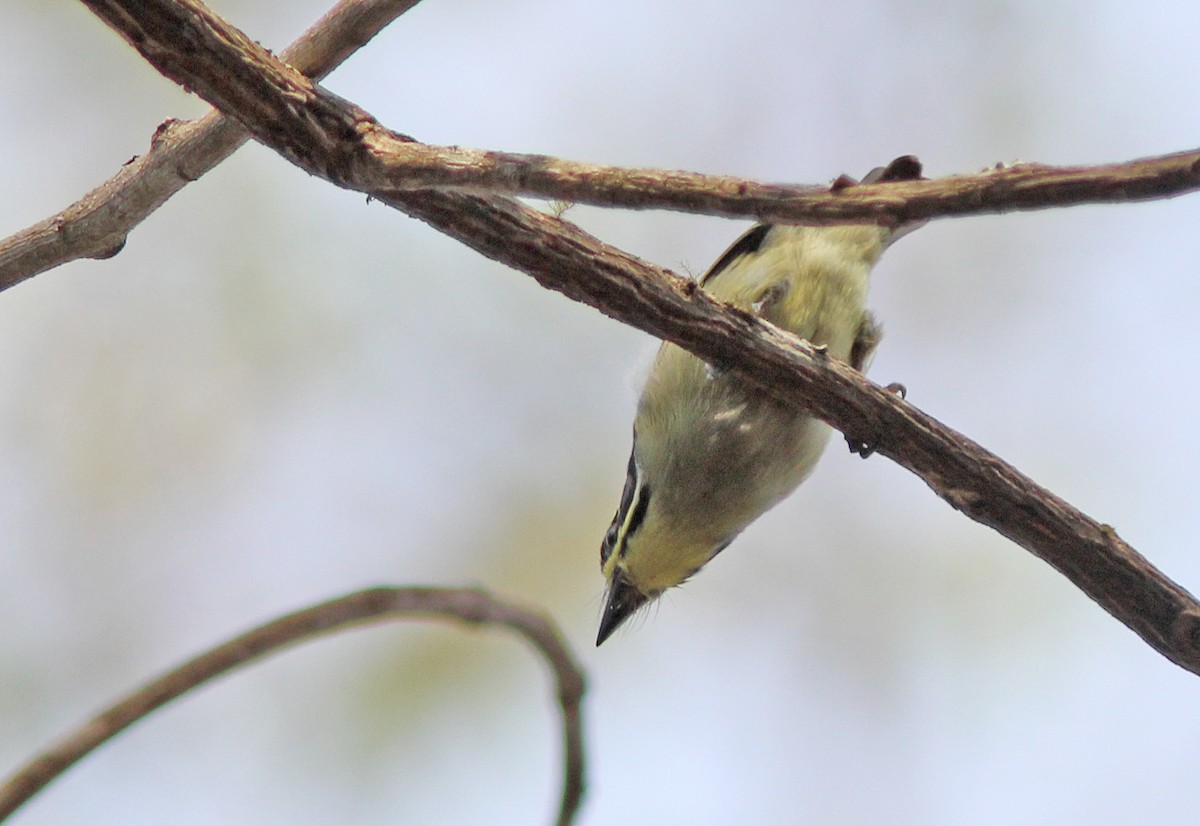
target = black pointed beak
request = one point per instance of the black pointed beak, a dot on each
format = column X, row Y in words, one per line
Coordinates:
column 622, row 602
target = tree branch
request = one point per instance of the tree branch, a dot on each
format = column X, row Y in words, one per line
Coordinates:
column 97, row 225
column 180, row 152
column 467, row 605
column 319, row 131
column 404, row 164
column 325, row 136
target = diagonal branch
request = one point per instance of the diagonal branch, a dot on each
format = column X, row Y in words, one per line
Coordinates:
column 463, row 604
column 180, row 152
column 97, row 225
column 329, row 137
column 319, row 131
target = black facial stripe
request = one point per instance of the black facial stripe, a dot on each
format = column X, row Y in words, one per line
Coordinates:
column 639, row 513
column 748, row 243
column 631, row 480
column 610, row 537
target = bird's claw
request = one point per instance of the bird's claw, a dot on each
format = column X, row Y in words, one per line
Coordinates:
column 867, row 449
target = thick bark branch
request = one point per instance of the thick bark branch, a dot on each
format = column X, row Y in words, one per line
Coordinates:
column 373, row 605
column 180, row 152
column 326, row 136
column 97, row 225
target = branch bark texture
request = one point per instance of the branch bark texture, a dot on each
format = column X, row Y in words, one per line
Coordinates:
column 97, row 225
column 336, row 140
column 342, row 143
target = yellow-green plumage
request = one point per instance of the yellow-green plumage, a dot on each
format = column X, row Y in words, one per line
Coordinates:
column 710, row 454
column 724, row 453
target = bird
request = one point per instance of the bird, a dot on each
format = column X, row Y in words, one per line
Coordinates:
column 712, row 454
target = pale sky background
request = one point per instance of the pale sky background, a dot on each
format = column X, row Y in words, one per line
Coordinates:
column 278, row 393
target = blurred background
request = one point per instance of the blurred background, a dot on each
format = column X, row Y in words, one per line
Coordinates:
column 278, row 392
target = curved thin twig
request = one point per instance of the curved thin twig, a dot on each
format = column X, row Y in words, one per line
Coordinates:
column 97, row 224
column 374, row 604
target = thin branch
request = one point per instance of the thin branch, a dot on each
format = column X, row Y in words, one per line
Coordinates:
column 467, row 605
column 180, row 152
column 319, row 131
column 97, row 225
column 563, row 257
column 405, row 164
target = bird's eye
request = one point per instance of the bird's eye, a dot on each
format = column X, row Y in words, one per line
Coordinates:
column 606, row 547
